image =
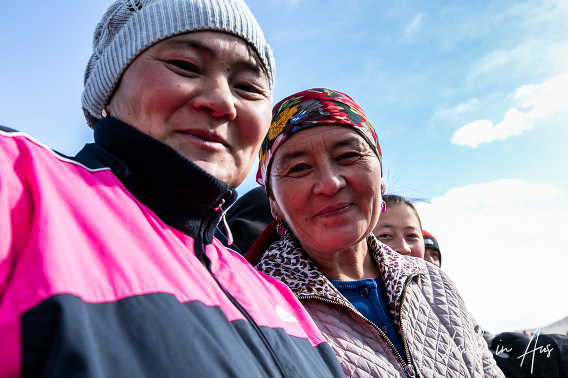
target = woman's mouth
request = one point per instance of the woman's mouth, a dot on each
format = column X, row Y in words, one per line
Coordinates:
column 334, row 210
column 207, row 139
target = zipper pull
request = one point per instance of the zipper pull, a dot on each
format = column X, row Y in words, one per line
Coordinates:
column 227, row 229
column 409, row 370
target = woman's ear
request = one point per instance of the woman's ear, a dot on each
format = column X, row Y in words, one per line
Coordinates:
column 383, row 187
column 274, row 208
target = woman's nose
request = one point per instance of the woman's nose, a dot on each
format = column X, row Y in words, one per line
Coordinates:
column 217, row 98
column 402, row 247
column 329, row 180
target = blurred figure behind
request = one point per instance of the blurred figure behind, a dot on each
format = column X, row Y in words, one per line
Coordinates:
column 432, row 252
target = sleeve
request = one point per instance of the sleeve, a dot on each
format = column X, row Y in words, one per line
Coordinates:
column 490, row 368
column 489, row 365
column 6, row 232
column 16, row 207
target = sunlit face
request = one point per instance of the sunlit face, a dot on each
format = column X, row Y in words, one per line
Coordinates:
column 326, row 183
column 432, row 255
column 204, row 95
column 399, row 228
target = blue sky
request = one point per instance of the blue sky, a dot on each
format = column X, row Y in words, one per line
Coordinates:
column 469, row 100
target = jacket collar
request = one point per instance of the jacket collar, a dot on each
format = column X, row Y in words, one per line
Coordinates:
column 178, row 191
column 286, row 261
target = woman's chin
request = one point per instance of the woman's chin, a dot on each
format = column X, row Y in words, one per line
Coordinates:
column 331, row 242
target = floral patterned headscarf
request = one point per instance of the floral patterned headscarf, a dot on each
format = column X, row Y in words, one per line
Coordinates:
column 311, row 108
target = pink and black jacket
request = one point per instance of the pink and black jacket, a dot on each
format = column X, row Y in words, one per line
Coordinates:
column 108, row 267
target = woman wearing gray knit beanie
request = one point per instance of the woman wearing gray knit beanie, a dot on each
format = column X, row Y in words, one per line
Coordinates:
column 111, row 267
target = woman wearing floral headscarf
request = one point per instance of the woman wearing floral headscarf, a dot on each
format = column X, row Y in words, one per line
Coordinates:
column 383, row 314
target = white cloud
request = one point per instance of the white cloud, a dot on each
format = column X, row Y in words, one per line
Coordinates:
column 414, row 25
column 458, row 109
column 504, row 247
column 545, row 100
column 501, row 60
column 483, row 131
column 505, row 192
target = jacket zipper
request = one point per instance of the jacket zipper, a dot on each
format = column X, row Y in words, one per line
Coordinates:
column 255, row 326
column 242, row 310
column 407, row 368
column 224, row 219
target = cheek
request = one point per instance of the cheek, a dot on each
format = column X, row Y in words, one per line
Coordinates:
column 367, row 173
column 418, row 250
column 265, row 118
column 141, row 100
column 255, row 119
column 248, row 139
column 253, row 125
column 163, row 98
column 368, row 185
column 290, row 199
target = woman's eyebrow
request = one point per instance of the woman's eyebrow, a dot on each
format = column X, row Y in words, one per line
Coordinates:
column 290, row 156
column 348, row 142
column 389, row 226
column 246, row 64
column 192, row 44
column 412, row 228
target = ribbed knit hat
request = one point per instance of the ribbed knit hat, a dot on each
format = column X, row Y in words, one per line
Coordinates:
column 131, row 26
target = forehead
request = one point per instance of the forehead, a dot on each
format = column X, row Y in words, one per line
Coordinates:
column 207, row 38
column 432, row 251
column 214, row 44
column 323, row 137
column 399, row 217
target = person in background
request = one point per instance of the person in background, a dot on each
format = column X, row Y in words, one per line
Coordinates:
column 384, row 314
column 513, row 352
column 507, row 347
column 108, row 264
column 399, row 227
column 432, row 252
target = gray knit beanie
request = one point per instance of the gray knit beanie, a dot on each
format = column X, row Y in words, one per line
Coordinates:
column 131, row 26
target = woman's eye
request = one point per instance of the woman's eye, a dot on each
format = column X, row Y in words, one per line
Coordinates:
column 184, row 66
column 383, row 236
column 348, row 156
column 247, row 88
column 298, row 169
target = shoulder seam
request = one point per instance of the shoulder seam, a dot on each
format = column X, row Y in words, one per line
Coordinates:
column 62, row 157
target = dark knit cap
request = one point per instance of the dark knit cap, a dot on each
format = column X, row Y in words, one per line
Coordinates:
column 431, row 242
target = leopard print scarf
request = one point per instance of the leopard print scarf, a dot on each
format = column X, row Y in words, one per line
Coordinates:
column 286, row 261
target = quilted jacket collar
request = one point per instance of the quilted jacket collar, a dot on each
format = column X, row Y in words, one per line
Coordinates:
column 286, row 261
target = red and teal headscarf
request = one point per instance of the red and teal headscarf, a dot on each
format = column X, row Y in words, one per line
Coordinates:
column 311, row 108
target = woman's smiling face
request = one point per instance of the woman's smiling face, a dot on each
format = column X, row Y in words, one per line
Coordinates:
column 326, row 183
column 399, row 228
column 203, row 94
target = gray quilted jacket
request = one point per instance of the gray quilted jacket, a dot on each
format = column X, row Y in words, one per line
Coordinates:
column 440, row 337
